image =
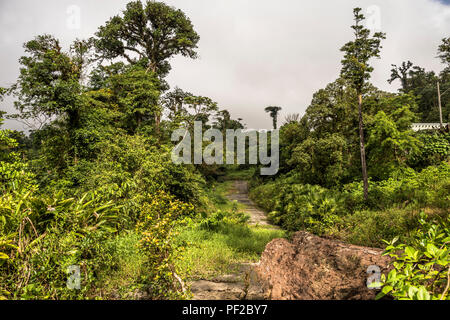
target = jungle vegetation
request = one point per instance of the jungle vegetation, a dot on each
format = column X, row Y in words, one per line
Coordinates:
column 92, row 184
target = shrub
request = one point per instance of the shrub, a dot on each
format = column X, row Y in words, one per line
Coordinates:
column 42, row 237
column 296, row 206
column 370, row 227
column 430, row 187
column 436, row 149
column 160, row 216
column 421, row 268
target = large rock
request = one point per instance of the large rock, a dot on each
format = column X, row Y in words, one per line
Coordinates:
column 311, row 268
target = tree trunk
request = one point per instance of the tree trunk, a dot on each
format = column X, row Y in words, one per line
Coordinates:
column 73, row 124
column 152, row 67
column 440, row 106
column 363, row 150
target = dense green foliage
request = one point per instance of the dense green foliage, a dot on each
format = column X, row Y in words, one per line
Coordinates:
column 93, row 185
column 154, row 32
column 319, row 186
column 421, row 270
column 423, row 84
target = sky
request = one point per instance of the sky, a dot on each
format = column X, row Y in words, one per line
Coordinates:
column 253, row 53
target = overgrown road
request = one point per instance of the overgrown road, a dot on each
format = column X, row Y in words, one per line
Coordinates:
column 239, row 193
column 242, row 285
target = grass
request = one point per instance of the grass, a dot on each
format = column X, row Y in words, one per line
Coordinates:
column 217, row 195
column 211, row 253
column 217, row 243
column 126, row 265
column 223, row 248
column 239, row 174
column 370, row 227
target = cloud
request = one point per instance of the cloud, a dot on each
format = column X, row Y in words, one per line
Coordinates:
column 253, row 53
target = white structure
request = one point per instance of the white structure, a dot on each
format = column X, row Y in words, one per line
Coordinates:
column 426, row 126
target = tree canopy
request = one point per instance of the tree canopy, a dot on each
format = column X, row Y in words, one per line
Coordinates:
column 153, row 32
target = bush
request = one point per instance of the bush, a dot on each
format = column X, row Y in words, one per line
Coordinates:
column 436, row 149
column 370, row 227
column 128, row 166
column 430, row 187
column 42, row 235
column 391, row 210
column 296, row 207
column 160, row 216
column 421, row 268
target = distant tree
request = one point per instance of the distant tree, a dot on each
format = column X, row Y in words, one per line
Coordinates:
column 391, row 141
column 154, row 32
column 174, row 103
column 401, row 73
column 356, row 68
column 224, row 121
column 183, row 107
column 292, row 117
column 273, row 111
column 444, row 51
column 199, row 109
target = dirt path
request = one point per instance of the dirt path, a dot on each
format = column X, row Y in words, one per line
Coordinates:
column 239, row 192
column 242, row 285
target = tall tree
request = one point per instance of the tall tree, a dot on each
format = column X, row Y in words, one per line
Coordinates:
column 137, row 93
column 224, row 121
column 155, row 32
column 422, row 84
column 50, row 82
column 401, row 73
column 273, row 112
column 444, row 51
column 184, row 107
column 200, row 109
column 356, row 68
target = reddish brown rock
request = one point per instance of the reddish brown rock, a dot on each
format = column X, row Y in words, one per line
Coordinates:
column 313, row 268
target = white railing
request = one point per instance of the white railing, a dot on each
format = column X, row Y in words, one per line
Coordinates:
column 426, row 126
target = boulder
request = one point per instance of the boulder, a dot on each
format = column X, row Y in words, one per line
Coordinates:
column 313, row 268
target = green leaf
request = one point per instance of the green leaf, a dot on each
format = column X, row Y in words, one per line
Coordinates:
column 431, row 248
column 4, row 256
column 422, row 294
column 386, row 289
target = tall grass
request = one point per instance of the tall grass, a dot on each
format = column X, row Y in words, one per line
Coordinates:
column 220, row 241
column 215, row 252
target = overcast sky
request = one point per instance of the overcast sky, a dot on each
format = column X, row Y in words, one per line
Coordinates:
column 253, row 53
